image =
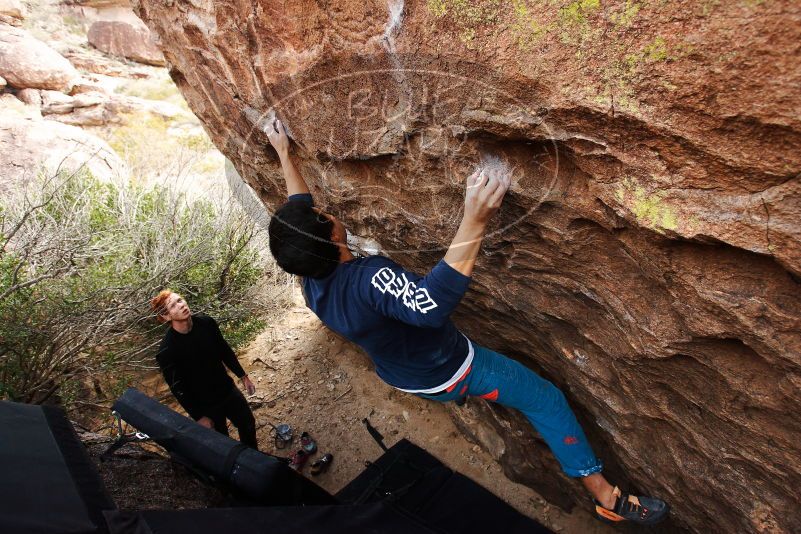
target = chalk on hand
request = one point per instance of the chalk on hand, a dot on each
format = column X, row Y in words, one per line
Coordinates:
column 492, row 165
column 262, row 121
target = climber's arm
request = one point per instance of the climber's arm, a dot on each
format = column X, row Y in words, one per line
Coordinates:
column 427, row 301
column 483, row 196
column 295, row 184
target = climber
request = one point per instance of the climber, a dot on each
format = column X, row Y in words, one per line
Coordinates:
column 402, row 320
column 191, row 358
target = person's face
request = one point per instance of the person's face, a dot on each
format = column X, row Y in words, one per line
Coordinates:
column 338, row 233
column 176, row 308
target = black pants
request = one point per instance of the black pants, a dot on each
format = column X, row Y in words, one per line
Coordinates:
column 236, row 409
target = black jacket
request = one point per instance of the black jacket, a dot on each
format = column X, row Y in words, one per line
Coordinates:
column 192, row 365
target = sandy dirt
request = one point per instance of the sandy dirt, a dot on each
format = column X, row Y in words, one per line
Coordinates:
column 312, row 379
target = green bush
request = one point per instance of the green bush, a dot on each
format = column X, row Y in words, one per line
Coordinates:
column 80, row 260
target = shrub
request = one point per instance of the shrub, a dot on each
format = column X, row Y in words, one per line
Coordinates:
column 79, row 261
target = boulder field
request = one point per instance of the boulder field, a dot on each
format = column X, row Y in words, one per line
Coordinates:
column 647, row 258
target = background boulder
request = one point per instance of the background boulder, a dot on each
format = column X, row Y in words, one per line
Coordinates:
column 125, row 39
column 28, row 62
column 32, row 145
column 32, row 97
column 56, row 102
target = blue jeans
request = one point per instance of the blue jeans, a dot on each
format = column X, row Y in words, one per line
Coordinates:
column 495, row 377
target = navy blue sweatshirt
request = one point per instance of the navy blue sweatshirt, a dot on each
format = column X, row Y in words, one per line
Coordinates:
column 401, row 319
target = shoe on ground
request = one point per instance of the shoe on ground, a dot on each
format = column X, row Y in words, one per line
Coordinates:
column 299, row 459
column 633, row 509
column 307, row 443
column 321, row 465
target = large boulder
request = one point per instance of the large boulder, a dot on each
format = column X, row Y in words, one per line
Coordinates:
column 28, row 62
column 125, row 39
column 87, row 85
column 648, row 256
column 30, row 145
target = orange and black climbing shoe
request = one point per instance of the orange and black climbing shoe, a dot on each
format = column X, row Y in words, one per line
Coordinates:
column 628, row 508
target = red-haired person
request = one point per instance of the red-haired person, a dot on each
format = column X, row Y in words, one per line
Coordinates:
column 193, row 357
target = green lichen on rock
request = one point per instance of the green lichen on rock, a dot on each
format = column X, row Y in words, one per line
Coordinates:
column 574, row 25
column 706, row 7
column 580, row 23
column 471, row 17
column 526, row 28
column 575, row 13
column 467, row 15
column 655, row 51
column 626, row 15
column 438, row 8
column 648, row 207
column 659, row 50
column 467, row 35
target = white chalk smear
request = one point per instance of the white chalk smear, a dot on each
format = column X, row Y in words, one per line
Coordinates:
column 264, row 121
column 496, row 166
column 393, row 24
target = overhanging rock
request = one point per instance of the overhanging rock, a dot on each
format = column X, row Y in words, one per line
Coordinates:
column 647, row 258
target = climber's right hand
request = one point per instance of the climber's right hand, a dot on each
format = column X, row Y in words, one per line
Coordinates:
column 276, row 133
column 484, row 195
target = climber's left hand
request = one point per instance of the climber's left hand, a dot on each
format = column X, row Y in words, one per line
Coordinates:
column 276, row 133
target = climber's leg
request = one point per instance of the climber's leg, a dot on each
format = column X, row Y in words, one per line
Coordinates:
column 600, row 489
column 495, row 377
column 498, row 378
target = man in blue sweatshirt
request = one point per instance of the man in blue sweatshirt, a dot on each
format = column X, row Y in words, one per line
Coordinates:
column 402, row 320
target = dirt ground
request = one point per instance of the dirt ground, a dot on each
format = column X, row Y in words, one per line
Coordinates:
column 312, row 379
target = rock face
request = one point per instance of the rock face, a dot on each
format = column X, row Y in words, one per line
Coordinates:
column 648, row 256
column 132, row 41
column 28, row 62
column 30, row 145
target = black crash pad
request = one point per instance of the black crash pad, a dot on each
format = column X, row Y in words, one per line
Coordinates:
column 49, row 484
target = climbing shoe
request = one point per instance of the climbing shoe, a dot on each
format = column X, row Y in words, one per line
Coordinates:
column 298, row 460
column 307, row 443
column 321, row 465
column 641, row 510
